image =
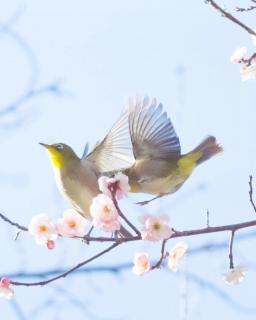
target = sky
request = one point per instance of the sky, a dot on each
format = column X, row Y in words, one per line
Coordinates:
column 98, row 53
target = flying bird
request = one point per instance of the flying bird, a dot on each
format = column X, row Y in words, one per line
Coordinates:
column 160, row 168
column 142, row 144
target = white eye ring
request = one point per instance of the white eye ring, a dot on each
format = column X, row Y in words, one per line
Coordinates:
column 59, row 146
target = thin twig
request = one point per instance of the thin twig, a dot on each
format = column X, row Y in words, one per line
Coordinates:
column 208, row 218
column 162, row 256
column 251, row 192
column 15, row 224
column 230, row 252
column 64, row 274
column 250, row 8
column 131, row 225
column 231, row 17
column 249, row 61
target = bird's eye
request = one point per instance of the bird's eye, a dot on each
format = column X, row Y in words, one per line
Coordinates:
column 59, row 146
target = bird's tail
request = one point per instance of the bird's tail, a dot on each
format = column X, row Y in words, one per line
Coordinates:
column 206, row 149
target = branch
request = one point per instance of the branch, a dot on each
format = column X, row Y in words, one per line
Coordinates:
column 132, row 226
column 249, row 8
column 162, row 257
column 177, row 234
column 15, row 224
column 250, row 194
column 231, row 17
column 230, row 254
column 30, row 94
column 64, row 274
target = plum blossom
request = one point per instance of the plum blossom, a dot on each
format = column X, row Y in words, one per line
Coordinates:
column 235, row 275
column 43, row 229
column 141, row 264
column 5, row 290
column 118, row 184
column 238, row 55
column 156, row 228
column 50, row 244
column 72, row 224
column 248, row 72
column 176, row 254
column 104, row 214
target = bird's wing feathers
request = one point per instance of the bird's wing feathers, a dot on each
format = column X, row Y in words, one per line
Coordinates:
column 114, row 152
column 152, row 132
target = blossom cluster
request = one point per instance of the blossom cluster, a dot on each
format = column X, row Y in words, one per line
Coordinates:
column 105, row 215
column 248, row 69
column 46, row 232
column 142, row 263
column 103, row 212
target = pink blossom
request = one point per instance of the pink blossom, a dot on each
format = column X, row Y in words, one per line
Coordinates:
column 248, row 72
column 72, row 224
column 50, row 244
column 235, row 275
column 43, row 229
column 119, row 184
column 141, row 264
column 156, row 228
column 176, row 254
column 5, row 290
column 104, row 213
column 238, row 55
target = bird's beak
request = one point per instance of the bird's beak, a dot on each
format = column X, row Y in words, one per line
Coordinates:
column 47, row 146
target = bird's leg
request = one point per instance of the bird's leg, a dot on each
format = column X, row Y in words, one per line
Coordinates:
column 143, row 203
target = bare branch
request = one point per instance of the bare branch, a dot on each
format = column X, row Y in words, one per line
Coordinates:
column 230, row 254
column 162, row 257
column 249, row 8
column 15, row 224
column 132, row 226
column 64, row 274
column 229, row 16
column 250, row 193
column 249, row 61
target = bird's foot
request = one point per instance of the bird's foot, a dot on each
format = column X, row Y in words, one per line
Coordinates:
column 143, row 203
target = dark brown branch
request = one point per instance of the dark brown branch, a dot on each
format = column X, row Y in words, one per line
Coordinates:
column 15, row 224
column 249, row 8
column 249, row 61
column 230, row 253
column 162, row 257
column 232, row 227
column 177, row 234
column 64, row 274
column 250, row 193
column 132, row 226
column 231, row 17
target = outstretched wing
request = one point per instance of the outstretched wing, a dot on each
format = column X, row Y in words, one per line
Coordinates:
column 114, row 152
column 152, row 133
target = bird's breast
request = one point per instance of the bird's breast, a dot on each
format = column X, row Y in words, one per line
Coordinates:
column 79, row 188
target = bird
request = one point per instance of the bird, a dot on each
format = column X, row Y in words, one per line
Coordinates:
column 77, row 178
column 142, row 144
column 159, row 168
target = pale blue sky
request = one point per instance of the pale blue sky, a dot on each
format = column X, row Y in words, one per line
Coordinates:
column 103, row 51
